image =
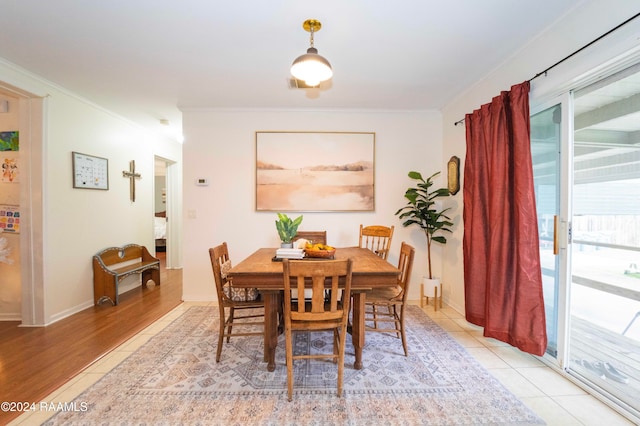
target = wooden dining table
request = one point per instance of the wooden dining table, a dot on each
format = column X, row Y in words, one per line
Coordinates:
column 259, row 270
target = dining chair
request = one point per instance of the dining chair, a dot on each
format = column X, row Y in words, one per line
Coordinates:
column 234, row 299
column 313, row 236
column 385, row 306
column 376, row 238
column 316, row 314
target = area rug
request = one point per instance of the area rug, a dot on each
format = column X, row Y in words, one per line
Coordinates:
column 174, row 379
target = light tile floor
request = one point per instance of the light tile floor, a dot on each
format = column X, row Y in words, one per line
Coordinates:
column 554, row 398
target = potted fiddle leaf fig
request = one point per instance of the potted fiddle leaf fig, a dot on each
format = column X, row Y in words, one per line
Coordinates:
column 421, row 210
column 287, row 228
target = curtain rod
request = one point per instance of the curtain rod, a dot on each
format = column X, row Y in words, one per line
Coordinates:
column 572, row 54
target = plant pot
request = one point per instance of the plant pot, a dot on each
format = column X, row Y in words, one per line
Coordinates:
column 431, row 288
column 286, row 245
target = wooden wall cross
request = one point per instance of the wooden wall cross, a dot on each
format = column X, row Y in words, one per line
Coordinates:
column 132, row 175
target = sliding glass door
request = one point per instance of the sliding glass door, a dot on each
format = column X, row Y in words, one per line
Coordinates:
column 604, row 333
column 545, row 151
column 586, row 160
column 550, row 137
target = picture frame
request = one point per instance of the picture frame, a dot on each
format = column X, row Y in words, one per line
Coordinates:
column 315, row 171
column 9, row 167
column 89, row 171
column 10, row 141
column 10, row 218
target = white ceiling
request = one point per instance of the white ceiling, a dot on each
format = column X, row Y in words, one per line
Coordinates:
column 145, row 60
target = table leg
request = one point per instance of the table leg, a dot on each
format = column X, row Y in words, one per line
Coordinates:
column 357, row 330
column 271, row 302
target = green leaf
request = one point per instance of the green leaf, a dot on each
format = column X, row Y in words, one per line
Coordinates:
column 415, row 175
column 421, row 209
column 287, row 228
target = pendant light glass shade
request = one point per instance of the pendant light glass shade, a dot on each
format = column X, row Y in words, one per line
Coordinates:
column 311, row 67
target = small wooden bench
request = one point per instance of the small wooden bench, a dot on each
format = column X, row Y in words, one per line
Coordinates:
column 109, row 269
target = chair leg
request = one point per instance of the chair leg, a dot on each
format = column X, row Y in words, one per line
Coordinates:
column 396, row 322
column 280, row 302
column 343, row 335
column 404, row 337
column 375, row 315
column 229, row 324
column 220, row 334
column 289, row 351
column 377, row 311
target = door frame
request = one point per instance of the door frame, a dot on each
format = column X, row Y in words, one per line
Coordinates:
column 173, row 210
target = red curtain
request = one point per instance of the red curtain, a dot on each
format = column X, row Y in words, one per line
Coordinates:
column 503, row 280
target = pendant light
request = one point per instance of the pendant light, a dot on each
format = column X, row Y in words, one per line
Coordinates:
column 311, row 67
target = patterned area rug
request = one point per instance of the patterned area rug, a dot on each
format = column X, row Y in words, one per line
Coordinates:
column 174, row 379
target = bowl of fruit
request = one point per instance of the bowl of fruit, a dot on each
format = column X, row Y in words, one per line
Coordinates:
column 319, row 251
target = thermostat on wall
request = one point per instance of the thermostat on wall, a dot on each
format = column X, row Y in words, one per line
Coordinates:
column 202, row 181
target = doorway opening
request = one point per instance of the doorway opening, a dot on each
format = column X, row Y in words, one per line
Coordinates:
column 167, row 211
column 160, row 205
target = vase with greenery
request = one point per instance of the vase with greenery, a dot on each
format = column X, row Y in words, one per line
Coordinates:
column 287, row 228
column 422, row 210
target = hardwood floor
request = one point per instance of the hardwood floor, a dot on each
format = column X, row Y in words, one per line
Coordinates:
column 36, row 361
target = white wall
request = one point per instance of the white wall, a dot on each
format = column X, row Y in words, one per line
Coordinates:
column 582, row 25
column 220, row 146
column 78, row 223
column 81, row 222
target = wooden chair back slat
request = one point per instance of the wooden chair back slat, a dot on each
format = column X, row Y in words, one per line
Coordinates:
column 405, row 265
column 219, row 255
column 376, row 238
column 313, row 236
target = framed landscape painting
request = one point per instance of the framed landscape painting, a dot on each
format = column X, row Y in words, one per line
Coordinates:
column 315, row 171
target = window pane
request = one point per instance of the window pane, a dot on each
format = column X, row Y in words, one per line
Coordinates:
column 605, row 253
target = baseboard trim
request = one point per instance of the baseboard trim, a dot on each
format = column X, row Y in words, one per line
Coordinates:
column 11, row 316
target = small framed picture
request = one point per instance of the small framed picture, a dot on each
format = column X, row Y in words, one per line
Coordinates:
column 90, row 172
column 10, row 218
